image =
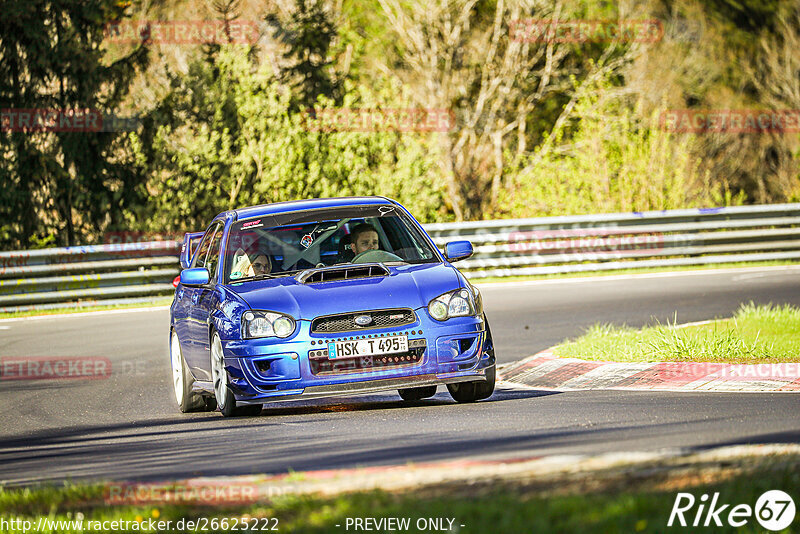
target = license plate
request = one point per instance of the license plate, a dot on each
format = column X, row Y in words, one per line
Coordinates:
column 367, row 347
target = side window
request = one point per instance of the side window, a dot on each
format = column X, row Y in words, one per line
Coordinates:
column 212, row 261
column 205, row 245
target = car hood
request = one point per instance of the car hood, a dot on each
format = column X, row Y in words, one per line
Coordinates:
column 407, row 286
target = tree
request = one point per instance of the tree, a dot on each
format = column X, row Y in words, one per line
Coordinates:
column 775, row 72
column 308, row 36
column 616, row 160
column 62, row 183
column 228, row 137
column 476, row 59
column 741, row 56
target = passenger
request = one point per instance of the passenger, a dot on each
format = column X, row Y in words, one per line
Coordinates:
column 364, row 237
column 261, row 264
column 251, row 263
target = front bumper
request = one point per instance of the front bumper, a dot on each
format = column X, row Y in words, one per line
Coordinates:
column 269, row 370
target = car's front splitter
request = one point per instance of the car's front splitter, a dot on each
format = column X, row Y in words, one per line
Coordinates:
column 367, row 386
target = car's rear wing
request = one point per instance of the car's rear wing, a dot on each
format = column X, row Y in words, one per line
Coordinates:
column 190, row 242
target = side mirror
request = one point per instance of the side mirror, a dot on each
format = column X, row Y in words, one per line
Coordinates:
column 194, row 277
column 457, row 250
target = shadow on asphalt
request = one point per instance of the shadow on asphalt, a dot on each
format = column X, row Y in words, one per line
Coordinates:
column 178, row 447
column 170, row 426
column 359, row 404
column 771, row 438
column 259, row 450
column 351, row 432
column 150, row 459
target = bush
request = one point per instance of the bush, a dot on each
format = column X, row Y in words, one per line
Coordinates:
column 232, row 140
column 614, row 162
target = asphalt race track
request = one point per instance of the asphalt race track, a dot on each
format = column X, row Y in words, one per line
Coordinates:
column 127, row 427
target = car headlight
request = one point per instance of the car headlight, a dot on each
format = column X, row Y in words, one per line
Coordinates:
column 458, row 303
column 266, row 324
column 478, row 300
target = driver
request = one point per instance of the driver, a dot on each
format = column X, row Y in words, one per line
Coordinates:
column 364, row 237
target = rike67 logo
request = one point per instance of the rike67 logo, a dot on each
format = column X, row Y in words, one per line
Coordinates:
column 774, row 510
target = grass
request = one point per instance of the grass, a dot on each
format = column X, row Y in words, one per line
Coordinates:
column 639, row 270
column 157, row 301
column 755, row 334
column 626, row 502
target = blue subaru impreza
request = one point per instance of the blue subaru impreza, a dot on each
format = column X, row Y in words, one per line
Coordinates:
column 324, row 297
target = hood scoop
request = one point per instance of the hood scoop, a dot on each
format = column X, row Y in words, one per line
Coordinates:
column 337, row 273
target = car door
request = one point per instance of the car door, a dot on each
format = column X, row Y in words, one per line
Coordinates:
column 201, row 302
column 182, row 307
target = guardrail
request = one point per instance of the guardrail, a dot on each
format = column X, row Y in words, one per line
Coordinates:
column 87, row 275
column 593, row 243
column 116, row 273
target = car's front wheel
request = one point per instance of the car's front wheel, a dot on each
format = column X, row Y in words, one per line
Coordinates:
column 473, row 391
column 182, row 380
column 226, row 401
column 478, row 390
column 415, row 394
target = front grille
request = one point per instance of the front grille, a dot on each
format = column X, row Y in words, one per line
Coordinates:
column 346, row 322
column 364, row 363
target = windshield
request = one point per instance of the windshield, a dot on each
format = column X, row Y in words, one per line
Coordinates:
column 283, row 244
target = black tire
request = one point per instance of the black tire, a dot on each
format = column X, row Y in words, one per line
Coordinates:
column 188, row 400
column 463, row 392
column 484, row 390
column 415, row 394
column 230, row 408
column 227, row 404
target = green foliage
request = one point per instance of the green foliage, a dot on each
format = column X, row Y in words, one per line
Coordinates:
column 308, row 36
column 234, row 140
column 615, row 161
column 232, row 128
column 65, row 184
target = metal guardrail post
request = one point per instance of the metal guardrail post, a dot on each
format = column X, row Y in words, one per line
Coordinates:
column 130, row 272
